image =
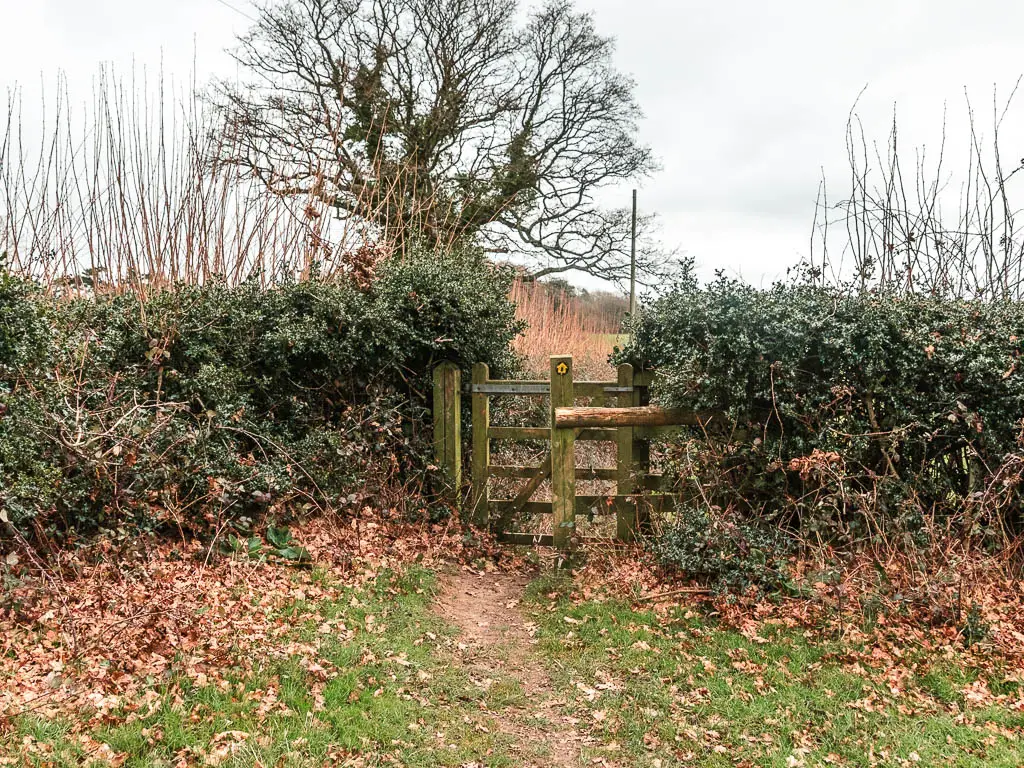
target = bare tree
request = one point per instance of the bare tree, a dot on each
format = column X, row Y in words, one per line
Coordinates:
column 912, row 229
column 443, row 121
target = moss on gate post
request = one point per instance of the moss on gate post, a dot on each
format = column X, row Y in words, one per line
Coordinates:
column 447, row 429
column 481, row 448
column 563, row 464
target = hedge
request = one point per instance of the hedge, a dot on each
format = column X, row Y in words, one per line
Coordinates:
column 203, row 404
column 850, row 412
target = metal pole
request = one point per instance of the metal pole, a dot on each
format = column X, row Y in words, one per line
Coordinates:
column 632, row 262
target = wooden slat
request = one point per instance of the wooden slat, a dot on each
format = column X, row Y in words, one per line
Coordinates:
column 519, row 433
column 497, row 470
column 512, row 388
column 582, row 473
column 585, row 383
column 641, row 454
column 481, row 448
column 598, row 389
column 503, row 382
column 625, row 523
column 447, row 428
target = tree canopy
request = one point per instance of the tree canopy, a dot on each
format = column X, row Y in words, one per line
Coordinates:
column 444, row 121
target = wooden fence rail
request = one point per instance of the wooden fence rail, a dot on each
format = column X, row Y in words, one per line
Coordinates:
column 639, row 416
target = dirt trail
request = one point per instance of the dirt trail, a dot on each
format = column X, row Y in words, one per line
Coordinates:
column 497, row 639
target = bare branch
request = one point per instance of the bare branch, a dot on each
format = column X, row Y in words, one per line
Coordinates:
column 896, row 234
column 442, row 121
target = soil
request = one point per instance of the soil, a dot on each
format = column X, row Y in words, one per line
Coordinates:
column 496, row 638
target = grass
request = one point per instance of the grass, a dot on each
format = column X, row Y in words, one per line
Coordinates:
column 369, row 678
column 678, row 690
column 387, row 691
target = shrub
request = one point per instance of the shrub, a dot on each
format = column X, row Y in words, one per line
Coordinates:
column 851, row 413
column 195, row 406
column 724, row 551
column 23, row 330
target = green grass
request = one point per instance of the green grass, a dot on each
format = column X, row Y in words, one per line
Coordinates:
column 685, row 692
column 651, row 690
column 391, row 696
column 614, row 339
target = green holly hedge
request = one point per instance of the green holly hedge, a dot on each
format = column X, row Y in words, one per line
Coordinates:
column 849, row 414
column 207, row 403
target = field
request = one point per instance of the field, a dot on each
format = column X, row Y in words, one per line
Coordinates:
column 558, row 323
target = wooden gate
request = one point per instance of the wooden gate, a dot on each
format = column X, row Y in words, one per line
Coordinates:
column 629, row 424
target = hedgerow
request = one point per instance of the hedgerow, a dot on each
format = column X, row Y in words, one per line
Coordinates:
column 851, row 416
column 209, row 403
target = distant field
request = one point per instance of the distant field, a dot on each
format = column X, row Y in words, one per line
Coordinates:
column 561, row 323
column 614, row 339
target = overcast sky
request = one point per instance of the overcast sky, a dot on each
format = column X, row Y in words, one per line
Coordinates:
column 745, row 102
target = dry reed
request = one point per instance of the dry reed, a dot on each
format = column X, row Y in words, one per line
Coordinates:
column 560, row 323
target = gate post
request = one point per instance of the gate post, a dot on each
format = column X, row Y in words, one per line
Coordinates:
column 481, row 448
column 625, row 511
column 641, row 464
column 563, row 463
column 447, row 429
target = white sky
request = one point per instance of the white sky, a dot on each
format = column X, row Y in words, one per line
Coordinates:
column 745, row 101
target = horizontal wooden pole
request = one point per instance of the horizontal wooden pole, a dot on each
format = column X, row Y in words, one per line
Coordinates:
column 640, row 416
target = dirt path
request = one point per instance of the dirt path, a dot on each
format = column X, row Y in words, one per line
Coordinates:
column 496, row 639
